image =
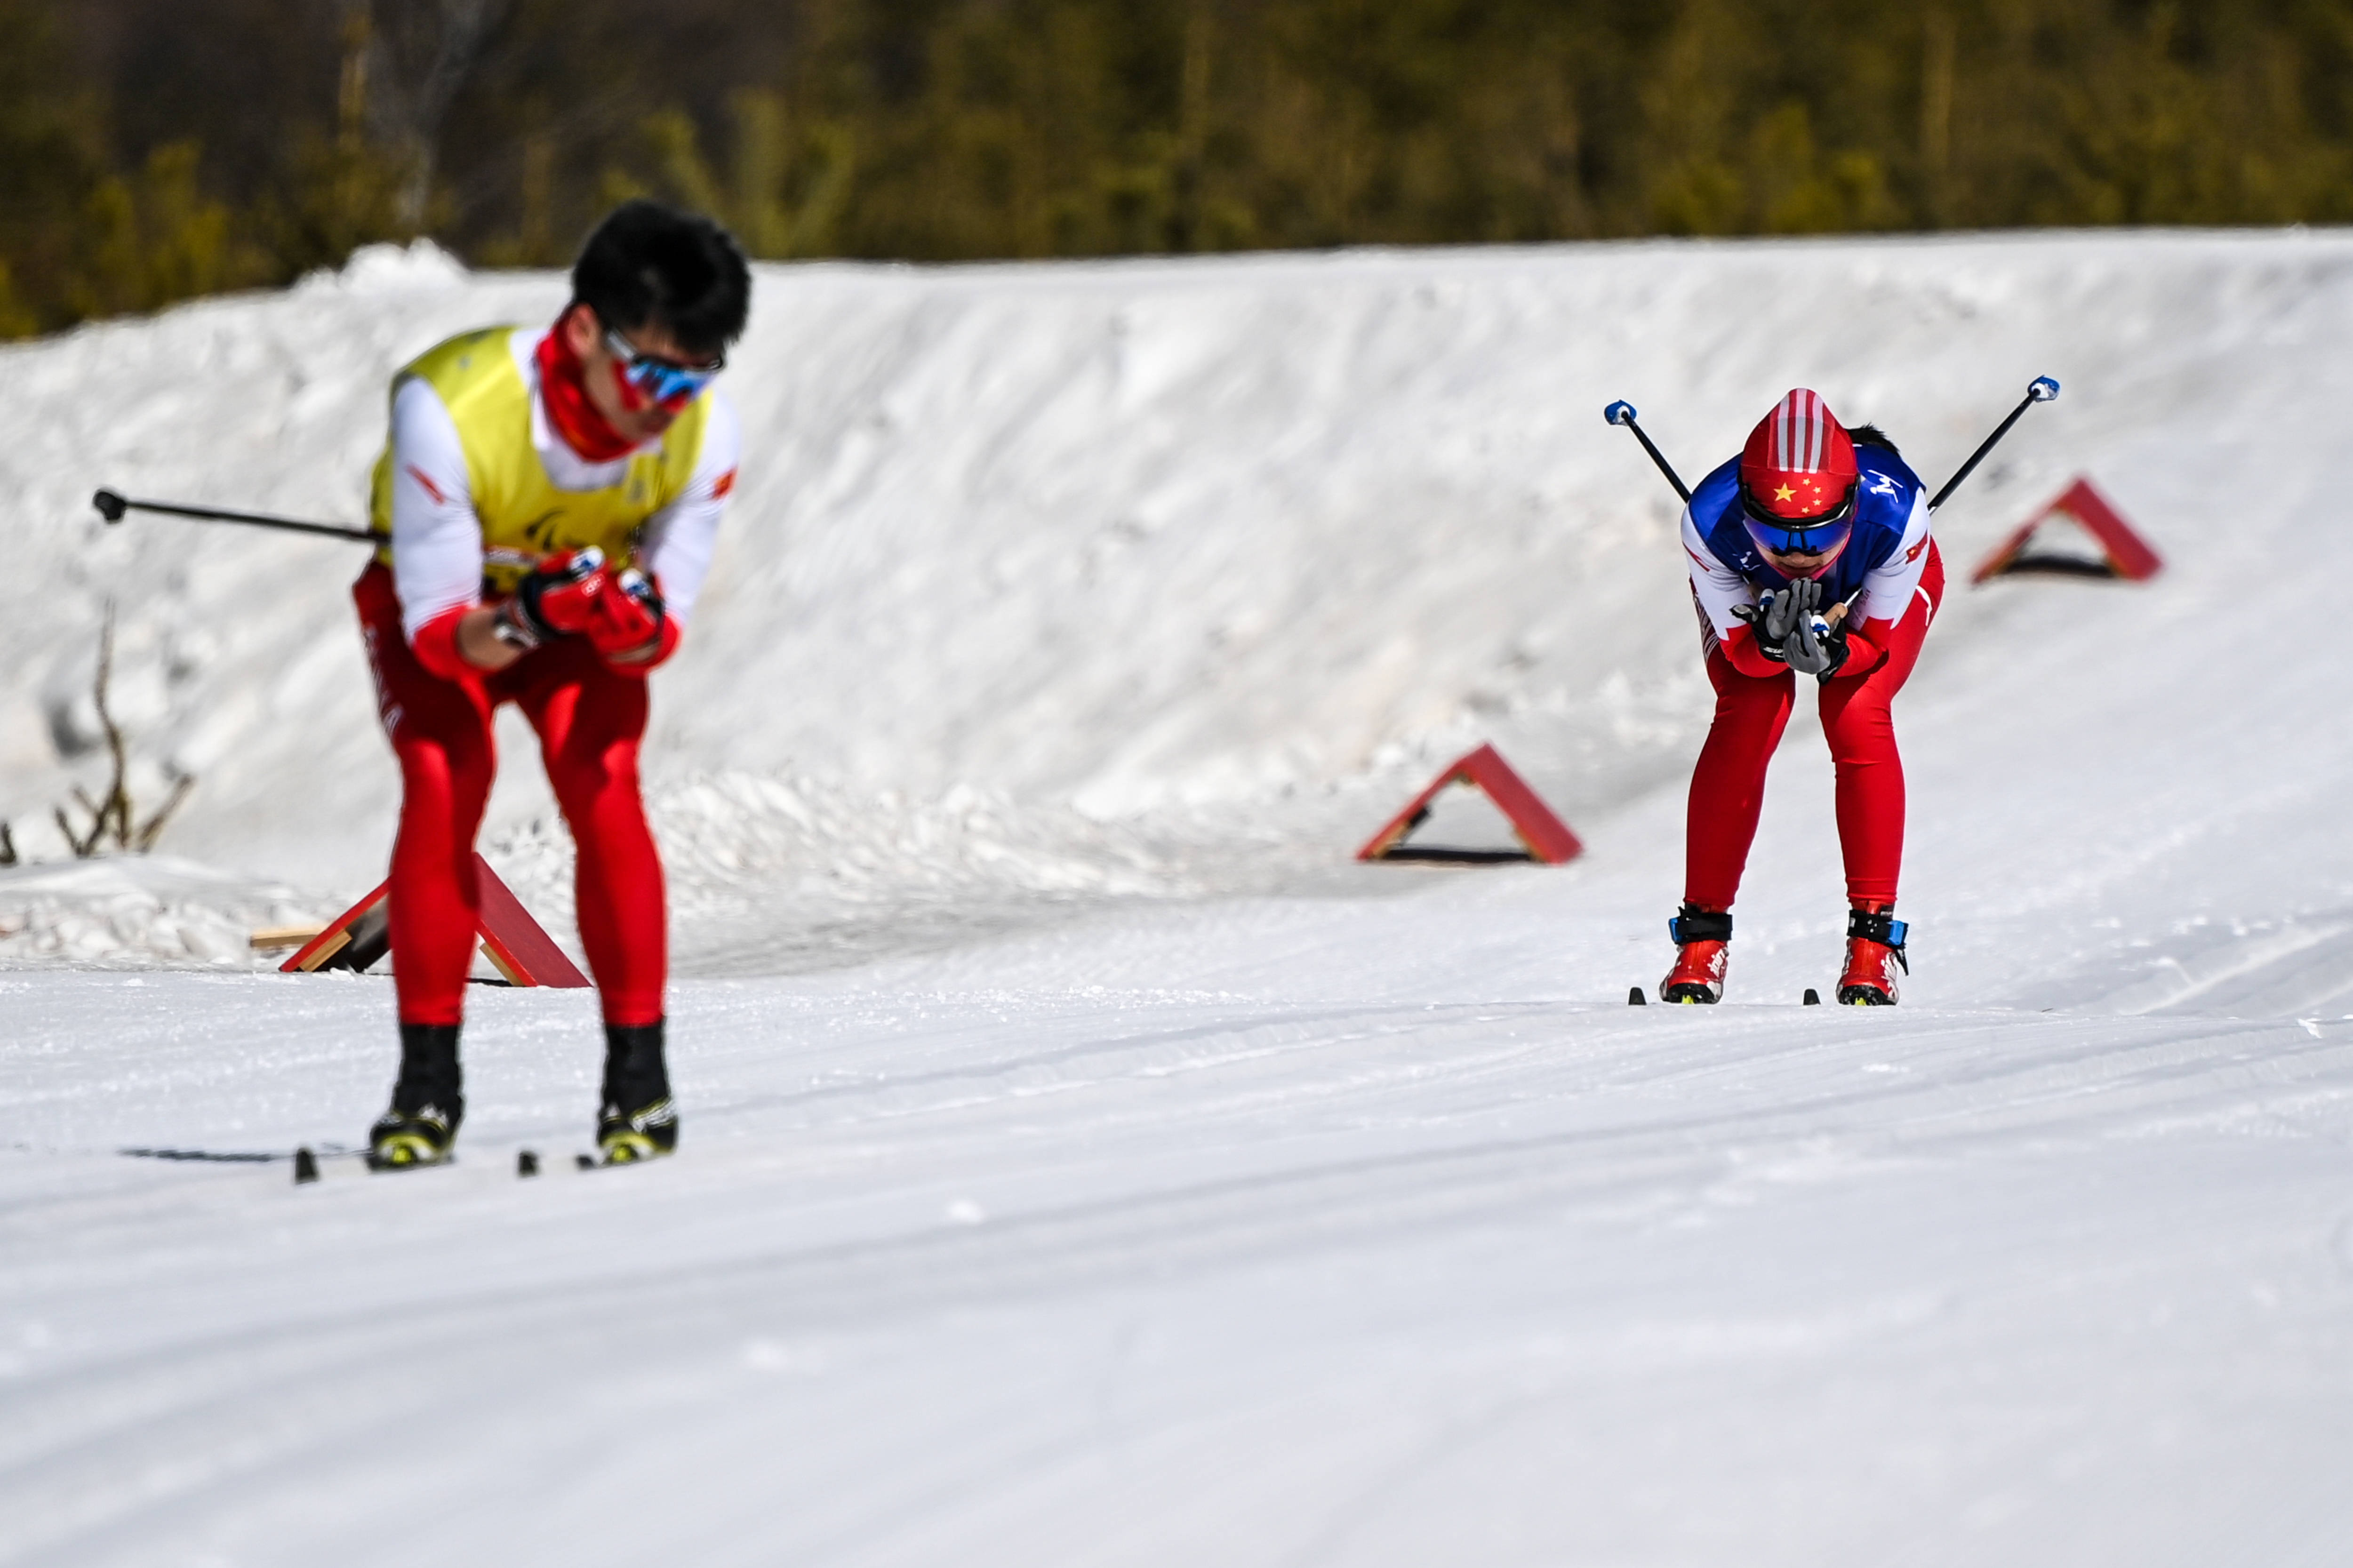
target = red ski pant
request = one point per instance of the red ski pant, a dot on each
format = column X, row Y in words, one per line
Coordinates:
column 589, row 722
column 1728, row 789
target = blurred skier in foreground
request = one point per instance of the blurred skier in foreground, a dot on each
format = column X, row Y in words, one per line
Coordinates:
column 549, row 500
column 1809, row 555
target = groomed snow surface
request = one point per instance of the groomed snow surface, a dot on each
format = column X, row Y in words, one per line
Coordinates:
column 1082, row 1163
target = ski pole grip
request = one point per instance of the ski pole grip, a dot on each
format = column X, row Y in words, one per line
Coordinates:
column 1619, row 413
column 2044, row 390
column 109, row 506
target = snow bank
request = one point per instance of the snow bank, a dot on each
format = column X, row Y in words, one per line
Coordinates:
column 136, row 912
column 1248, row 543
column 773, row 874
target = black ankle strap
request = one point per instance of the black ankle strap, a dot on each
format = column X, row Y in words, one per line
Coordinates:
column 1882, row 927
column 1876, row 925
column 1696, row 924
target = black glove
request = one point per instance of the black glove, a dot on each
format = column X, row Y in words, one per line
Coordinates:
column 1777, row 614
column 1812, row 648
column 1834, row 651
column 1790, row 631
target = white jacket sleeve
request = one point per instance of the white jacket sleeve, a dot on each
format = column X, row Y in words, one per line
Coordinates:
column 677, row 545
column 436, row 539
column 1887, row 592
column 1718, row 589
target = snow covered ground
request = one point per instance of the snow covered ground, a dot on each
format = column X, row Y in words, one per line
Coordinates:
column 1082, row 1165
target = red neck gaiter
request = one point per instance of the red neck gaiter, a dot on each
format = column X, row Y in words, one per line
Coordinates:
column 577, row 420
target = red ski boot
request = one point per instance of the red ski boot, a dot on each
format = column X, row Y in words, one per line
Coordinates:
column 1874, row 952
column 1701, row 942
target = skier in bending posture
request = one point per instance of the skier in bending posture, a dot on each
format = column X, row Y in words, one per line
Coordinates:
column 548, row 502
column 1809, row 555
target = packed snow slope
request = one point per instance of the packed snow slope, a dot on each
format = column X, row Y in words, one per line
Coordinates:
column 1297, row 1229
column 1204, row 549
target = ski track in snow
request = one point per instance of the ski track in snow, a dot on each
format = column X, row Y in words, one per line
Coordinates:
column 963, row 1266
column 1080, row 1164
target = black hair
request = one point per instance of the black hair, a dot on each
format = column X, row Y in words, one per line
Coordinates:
column 1870, row 435
column 647, row 262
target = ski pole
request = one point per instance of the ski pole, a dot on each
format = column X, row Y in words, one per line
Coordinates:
column 1623, row 413
column 2043, row 390
column 112, row 507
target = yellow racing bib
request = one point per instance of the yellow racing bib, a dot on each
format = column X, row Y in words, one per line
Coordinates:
column 523, row 513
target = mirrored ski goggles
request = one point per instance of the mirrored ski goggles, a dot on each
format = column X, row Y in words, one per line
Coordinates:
column 663, row 381
column 1825, row 533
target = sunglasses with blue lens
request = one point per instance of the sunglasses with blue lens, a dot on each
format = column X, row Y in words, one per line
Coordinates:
column 663, row 381
column 1817, row 536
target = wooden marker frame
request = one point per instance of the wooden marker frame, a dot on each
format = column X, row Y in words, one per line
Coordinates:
column 1546, row 838
column 517, row 945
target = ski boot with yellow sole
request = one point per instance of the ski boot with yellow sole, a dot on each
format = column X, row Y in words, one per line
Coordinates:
column 427, row 1103
column 638, row 1120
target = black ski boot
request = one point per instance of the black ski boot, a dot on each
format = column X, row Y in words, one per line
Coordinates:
column 638, row 1120
column 427, row 1102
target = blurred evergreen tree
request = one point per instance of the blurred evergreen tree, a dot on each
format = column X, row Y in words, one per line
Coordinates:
column 50, row 167
column 153, row 149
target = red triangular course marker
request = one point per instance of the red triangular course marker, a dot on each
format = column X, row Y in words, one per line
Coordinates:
column 1547, row 837
column 2124, row 552
column 516, row 944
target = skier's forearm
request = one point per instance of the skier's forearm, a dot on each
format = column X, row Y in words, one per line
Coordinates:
column 1866, row 647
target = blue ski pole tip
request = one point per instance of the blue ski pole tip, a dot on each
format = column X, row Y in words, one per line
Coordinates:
column 1622, row 412
column 2044, row 390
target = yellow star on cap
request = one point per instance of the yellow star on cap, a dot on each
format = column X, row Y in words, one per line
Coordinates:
column 1784, row 493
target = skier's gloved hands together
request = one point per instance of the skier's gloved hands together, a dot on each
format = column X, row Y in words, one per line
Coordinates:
column 1791, row 629
column 1774, row 617
column 556, row 600
column 576, row 594
column 1814, row 648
